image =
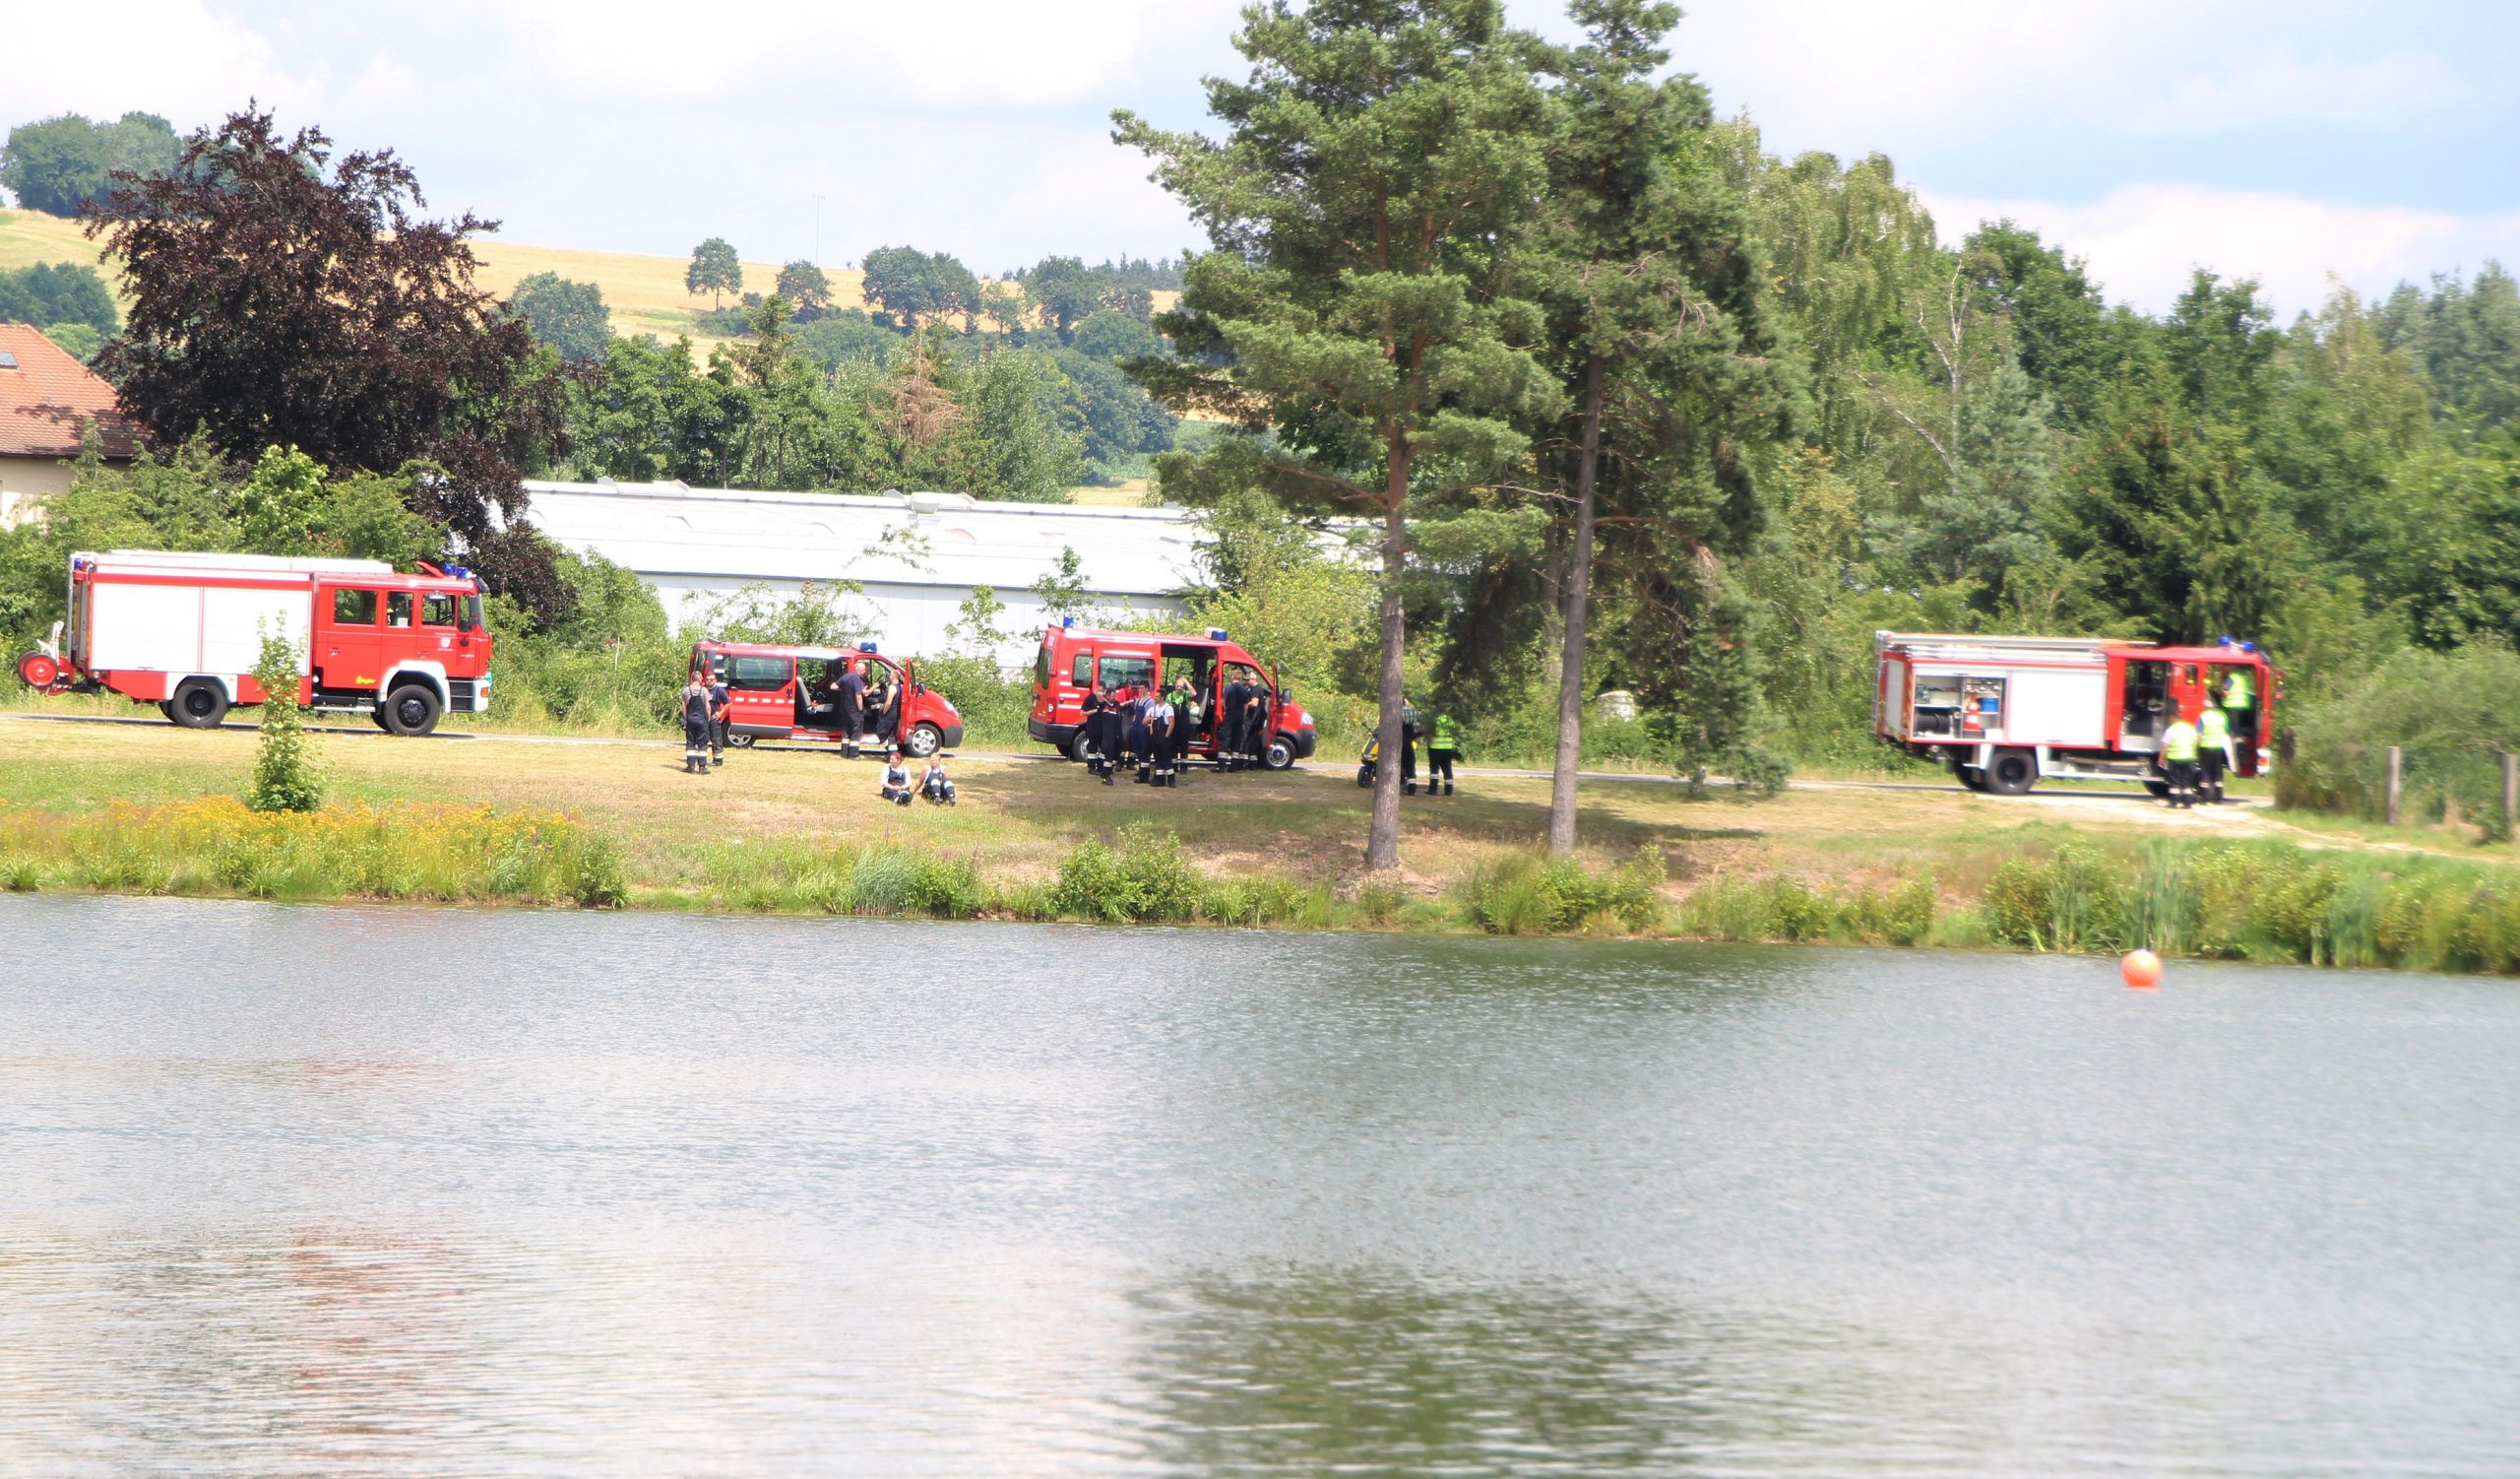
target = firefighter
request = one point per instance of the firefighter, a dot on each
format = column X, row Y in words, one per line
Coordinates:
column 2240, row 702
column 937, row 786
column 1441, row 743
column 896, row 786
column 1409, row 732
column 1230, row 723
column 695, row 723
column 2178, row 758
column 1160, row 720
column 1098, row 760
column 852, row 710
column 1140, row 745
column 1186, row 719
column 1256, row 725
column 722, row 704
column 2214, row 749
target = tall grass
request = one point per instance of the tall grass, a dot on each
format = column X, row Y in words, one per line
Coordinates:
column 217, row 846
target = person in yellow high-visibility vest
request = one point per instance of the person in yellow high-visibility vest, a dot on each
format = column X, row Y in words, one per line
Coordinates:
column 1443, row 742
column 2179, row 760
column 2239, row 705
column 2214, row 750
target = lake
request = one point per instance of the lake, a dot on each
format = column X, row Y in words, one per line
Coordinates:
column 387, row 1192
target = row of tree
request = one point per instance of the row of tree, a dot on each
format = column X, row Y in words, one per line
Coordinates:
column 1632, row 403
column 906, row 289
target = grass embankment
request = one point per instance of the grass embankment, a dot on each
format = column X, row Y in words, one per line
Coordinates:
column 147, row 809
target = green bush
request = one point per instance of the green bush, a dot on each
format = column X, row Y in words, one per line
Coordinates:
column 2452, row 715
column 1519, row 894
column 2072, row 900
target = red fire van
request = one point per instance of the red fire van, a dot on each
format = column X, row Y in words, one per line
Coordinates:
column 782, row 692
column 1073, row 659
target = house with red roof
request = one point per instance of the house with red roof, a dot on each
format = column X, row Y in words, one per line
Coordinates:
column 48, row 402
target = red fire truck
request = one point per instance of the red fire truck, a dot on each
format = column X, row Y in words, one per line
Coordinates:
column 1075, row 658
column 2004, row 711
column 781, row 693
column 183, row 631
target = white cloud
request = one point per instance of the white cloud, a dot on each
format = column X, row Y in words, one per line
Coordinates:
column 2285, row 90
column 173, row 57
column 2145, row 240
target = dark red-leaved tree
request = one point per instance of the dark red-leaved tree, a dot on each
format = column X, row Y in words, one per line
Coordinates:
column 280, row 298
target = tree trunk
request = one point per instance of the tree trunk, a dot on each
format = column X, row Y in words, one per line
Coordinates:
column 1382, row 838
column 1579, row 596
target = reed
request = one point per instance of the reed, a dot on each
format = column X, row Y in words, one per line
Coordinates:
column 217, row 846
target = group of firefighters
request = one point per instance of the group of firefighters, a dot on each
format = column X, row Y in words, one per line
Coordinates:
column 1148, row 728
column 706, row 703
column 2195, row 755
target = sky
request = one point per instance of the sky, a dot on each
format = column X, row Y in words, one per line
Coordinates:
column 2286, row 139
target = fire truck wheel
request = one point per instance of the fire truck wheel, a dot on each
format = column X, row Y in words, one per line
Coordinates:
column 1970, row 776
column 2157, row 788
column 1081, row 748
column 1279, row 756
column 377, row 717
column 412, row 710
column 2012, row 772
column 197, row 704
column 167, row 709
column 925, row 739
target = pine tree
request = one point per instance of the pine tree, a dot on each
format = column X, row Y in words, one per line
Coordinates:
column 1349, row 320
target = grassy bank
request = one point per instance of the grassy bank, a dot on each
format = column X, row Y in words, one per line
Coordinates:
column 596, row 823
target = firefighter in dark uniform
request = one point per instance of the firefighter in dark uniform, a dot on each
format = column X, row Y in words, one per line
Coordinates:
column 1230, row 722
column 1407, row 750
column 1097, row 755
column 852, row 710
column 695, row 724
column 1255, row 725
column 722, row 704
column 1141, row 745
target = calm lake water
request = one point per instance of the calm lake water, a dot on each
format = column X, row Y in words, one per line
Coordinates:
column 337, row 1191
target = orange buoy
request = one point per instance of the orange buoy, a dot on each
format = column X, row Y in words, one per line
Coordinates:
column 2142, row 970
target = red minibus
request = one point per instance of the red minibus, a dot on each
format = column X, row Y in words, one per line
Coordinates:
column 1073, row 659
column 781, row 693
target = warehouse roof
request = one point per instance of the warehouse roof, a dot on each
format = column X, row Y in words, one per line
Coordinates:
column 660, row 529
column 48, row 400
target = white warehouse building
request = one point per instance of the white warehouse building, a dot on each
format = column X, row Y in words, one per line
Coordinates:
column 917, row 556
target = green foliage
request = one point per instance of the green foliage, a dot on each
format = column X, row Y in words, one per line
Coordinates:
column 79, row 341
column 806, row 286
column 716, row 269
column 2453, row 715
column 1522, row 894
column 59, row 295
column 2072, row 900
column 58, row 165
column 285, row 775
column 911, row 285
column 570, row 317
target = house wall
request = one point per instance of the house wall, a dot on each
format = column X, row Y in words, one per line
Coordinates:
column 26, row 482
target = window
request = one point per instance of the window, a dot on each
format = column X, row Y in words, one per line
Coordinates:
column 1084, row 674
column 437, row 610
column 757, row 674
column 1041, row 666
column 397, row 609
column 353, row 607
column 1133, row 672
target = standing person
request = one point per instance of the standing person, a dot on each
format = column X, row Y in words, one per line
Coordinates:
column 1186, row 719
column 1409, row 732
column 1230, row 722
column 1098, row 760
column 2240, row 702
column 1140, row 744
column 853, row 709
column 2178, row 756
column 1162, row 723
column 721, row 705
column 695, row 723
column 1441, row 743
column 1255, row 724
column 2214, row 749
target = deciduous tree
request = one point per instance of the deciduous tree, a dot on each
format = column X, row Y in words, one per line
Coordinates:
column 714, row 270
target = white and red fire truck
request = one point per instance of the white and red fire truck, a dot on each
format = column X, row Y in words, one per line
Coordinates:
column 183, row 631
column 2005, row 711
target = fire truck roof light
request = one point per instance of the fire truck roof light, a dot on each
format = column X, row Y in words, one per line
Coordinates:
column 458, row 572
column 866, row 647
column 1067, row 622
column 1216, row 635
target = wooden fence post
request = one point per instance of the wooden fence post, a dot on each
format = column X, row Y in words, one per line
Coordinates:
column 2396, row 767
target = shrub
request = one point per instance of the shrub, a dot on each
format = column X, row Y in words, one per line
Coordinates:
column 1519, row 894
column 286, row 778
column 2072, row 900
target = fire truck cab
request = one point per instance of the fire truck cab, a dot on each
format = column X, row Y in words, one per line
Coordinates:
column 2005, row 711
column 782, row 692
column 184, row 630
column 1073, row 659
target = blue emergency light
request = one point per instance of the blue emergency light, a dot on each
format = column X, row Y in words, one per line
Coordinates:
column 1067, row 622
column 2250, row 647
column 1215, row 634
column 458, row 572
column 866, row 647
